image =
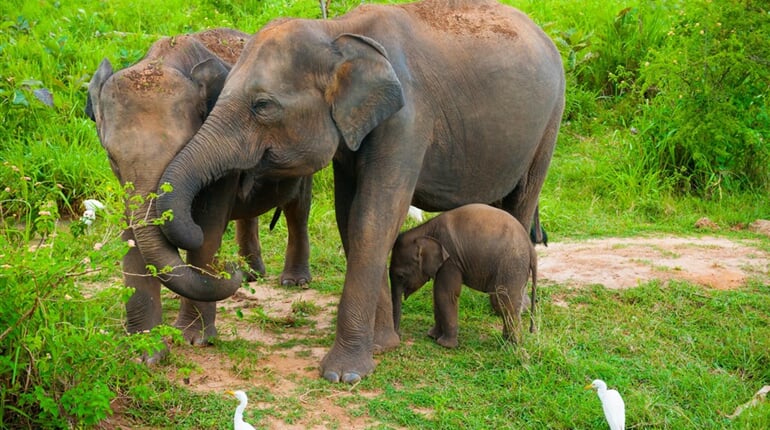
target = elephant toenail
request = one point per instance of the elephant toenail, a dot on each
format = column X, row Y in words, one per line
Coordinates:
column 332, row 376
column 351, row 378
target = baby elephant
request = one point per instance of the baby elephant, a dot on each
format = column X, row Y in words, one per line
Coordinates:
column 477, row 245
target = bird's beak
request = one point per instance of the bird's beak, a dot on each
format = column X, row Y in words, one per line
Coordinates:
column 589, row 387
column 230, row 392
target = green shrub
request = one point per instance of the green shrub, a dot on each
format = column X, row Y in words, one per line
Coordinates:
column 705, row 118
column 64, row 353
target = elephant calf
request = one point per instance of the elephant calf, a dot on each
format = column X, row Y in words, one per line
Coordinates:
column 477, row 245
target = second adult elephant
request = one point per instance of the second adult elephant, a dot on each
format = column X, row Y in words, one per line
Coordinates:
column 144, row 115
column 439, row 103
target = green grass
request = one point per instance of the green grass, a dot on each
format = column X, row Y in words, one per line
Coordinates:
column 682, row 356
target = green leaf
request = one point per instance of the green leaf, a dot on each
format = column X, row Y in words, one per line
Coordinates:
column 19, row 99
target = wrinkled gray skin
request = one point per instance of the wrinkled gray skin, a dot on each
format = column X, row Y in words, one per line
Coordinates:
column 440, row 103
column 476, row 245
column 144, row 115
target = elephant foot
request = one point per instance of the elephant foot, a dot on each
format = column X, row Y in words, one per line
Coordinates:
column 257, row 269
column 344, row 366
column 447, row 342
column 296, row 278
column 435, row 332
column 513, row 337
column 195, row 333
column 442, row 339
column 155, row 358
column 385, row 340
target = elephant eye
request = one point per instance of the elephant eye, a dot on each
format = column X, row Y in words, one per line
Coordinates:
column 259, row 105
column 262, row 106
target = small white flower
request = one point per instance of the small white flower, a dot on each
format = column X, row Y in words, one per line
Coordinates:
column 98, row 246
column 131, row 243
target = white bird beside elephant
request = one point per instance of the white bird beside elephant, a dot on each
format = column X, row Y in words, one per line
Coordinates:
column 612, row 404
column 238, row 422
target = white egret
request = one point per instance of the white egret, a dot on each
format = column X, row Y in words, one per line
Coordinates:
column 91, row 206
column 612, row 403
column 415, row 213
column 238, row 422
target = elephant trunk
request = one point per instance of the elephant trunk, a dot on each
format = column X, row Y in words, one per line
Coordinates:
column 206, row 158
column 182, row 279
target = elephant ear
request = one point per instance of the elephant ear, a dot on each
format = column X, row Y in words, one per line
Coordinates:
column 365, row 90
column 210, row 76
column 431, row 255
column 95, row 88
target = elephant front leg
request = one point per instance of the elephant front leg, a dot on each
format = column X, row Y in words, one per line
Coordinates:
column 368, row 229
column 446, row 305
column 385, row 336
column 143, row 309
column 197, row 320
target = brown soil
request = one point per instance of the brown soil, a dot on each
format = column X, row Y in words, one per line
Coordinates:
column 713, row 262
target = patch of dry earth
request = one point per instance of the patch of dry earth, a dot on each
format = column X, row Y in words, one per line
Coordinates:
column 713, row 262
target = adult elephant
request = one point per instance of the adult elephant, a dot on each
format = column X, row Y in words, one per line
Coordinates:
column 441, row 103
column 144, row 115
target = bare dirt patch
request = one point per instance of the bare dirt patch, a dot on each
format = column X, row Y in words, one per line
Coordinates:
column 713, row 262
column 285, row 369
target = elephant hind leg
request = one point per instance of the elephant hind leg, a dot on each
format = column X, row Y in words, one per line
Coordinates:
column 247, row 234
column 522, row 201
column 511, row 305
column 296, row 268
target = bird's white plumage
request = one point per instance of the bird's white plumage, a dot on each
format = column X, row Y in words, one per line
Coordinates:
column 612, row 403
column 238, row 423
column 415, row 213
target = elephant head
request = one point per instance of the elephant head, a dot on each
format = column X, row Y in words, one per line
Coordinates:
column 310, row 96
column 144, row 115
column 414, row 261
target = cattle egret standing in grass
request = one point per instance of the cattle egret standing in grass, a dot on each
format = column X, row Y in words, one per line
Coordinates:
column 612, row 403
column 239, row 424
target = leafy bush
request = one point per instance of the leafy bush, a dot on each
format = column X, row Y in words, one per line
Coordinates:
column 706, row 117
column 64, row 353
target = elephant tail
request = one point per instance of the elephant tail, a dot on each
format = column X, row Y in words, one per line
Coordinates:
column 533, row 293
column 276, row 216
column 537, row 233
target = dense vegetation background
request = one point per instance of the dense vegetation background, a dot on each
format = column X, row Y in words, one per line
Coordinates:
column 667, row 121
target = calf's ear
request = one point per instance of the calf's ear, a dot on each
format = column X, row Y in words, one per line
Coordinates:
column 431, row 255
column 210, row 75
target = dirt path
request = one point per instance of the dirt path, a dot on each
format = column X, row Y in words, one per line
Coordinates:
column 711, row 261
